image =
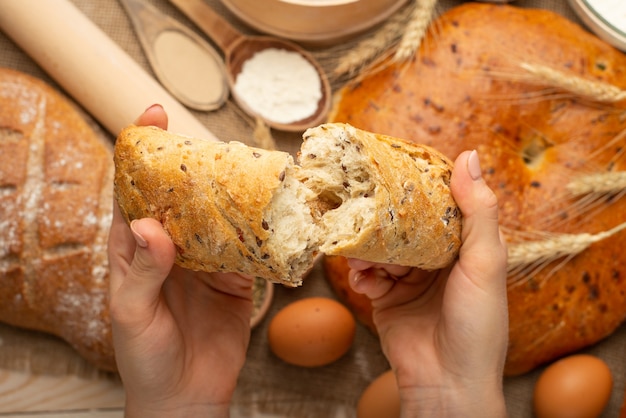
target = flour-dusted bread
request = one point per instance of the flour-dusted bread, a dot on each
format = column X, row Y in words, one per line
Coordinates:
column 56, row 189
column 231, row 207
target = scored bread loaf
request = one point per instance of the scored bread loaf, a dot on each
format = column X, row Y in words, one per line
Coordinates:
column 231, row 207
column 56, row 190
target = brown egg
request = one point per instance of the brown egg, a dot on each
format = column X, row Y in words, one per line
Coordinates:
column 578, row 386
column 380, row 399
column 312, row 332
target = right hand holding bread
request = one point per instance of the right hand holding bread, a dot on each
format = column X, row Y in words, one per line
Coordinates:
column 454, row 320
column 232, row 208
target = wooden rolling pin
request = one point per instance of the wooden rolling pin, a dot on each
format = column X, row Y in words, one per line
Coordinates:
column 90, row 66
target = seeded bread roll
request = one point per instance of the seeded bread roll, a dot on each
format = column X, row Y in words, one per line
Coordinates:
column 231, row 207
column 227, row 207
column 388, row 199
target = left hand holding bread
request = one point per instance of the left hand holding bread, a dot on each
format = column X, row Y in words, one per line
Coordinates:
column 175, row 331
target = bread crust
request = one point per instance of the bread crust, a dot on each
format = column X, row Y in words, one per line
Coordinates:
column 214, row 199
column 211, row 197
column 465, row 89
column 55, row 212
column 415, row 220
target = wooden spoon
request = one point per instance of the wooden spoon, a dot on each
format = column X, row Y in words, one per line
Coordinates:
column 182, row 60
column 238, row 48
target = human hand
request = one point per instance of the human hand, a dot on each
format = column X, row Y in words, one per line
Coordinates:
column 445, row 332
column 180, row 336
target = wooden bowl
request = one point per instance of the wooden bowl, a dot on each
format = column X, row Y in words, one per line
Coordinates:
column 313, row 22
column 263, row 296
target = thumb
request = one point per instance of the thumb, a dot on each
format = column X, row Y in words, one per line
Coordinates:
column 140, row 288
column 483, row 248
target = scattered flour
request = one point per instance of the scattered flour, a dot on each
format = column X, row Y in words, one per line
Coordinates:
column 280, row 85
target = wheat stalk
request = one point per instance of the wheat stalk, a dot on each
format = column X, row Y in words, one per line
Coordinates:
column 595, row 90
column 415, row 30
column 262, row 135
column 525, row 259
column 367, row 50
column 611, row 182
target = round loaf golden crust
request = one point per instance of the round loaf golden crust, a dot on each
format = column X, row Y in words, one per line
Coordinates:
column 55, row 211
column 471, row 86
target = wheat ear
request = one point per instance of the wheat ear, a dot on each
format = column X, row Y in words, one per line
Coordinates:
column 594, row 90
column 414, row 32
column 611, row 182
column 367, row 50
column 262, row 135
column 532, row 256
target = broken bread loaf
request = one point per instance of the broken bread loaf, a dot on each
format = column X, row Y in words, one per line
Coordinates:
column 231, row 207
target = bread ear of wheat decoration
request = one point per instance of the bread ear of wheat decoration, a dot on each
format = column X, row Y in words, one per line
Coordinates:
column 590, row 193
column 526, row 259
column 597, row 91
column 561, row 84
column 599, row 183
column 414, row 32
column 407, row 34
column 369, row 50
column 262, row 135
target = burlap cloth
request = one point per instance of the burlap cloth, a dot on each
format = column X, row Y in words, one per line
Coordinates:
column 269, row 387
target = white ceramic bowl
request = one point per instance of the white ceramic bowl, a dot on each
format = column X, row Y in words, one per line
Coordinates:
column 313, row 22
column 606, row 18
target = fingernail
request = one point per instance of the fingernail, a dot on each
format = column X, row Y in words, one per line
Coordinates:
column 141, row 241
column 153, row 106
column 473, row 166
column 358, row 280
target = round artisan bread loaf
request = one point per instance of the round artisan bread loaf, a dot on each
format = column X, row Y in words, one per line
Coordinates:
column 56, row 178
column 542, row 101
column 234, row 208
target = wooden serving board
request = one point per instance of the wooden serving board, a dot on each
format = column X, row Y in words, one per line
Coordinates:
column 40, row 373
column 26, row 392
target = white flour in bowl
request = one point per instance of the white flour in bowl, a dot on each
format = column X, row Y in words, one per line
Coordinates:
column 279, row 85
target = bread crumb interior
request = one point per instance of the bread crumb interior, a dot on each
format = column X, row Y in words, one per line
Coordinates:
column 336, row 171
column 294, row 229
column 324, row 202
